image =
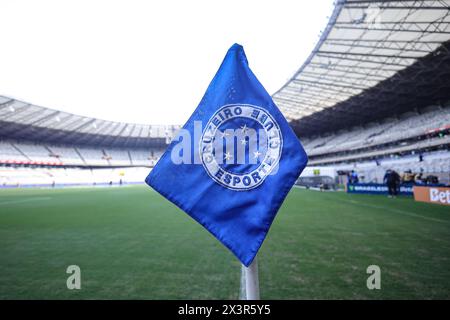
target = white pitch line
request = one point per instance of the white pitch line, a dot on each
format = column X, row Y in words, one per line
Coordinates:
column 25, row 200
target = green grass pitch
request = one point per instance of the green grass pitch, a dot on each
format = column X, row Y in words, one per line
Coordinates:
column 131, row 243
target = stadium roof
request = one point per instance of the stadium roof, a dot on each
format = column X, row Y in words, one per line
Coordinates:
column 373, row 59
column 21, row 120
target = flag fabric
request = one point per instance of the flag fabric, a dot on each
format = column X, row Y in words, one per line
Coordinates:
column 233, row 163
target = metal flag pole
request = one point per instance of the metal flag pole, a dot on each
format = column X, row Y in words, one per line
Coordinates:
column 250, row 282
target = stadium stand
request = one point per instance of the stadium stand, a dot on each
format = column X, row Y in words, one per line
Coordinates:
column 35, row 152
column 94, row 156
column 433, row 163
column 117, row 156
column 391, row 130
column 31, row 135
column 45, row 147
column 66, row 155
column 24, row 121
column 142, row 157
column 51, row 177
column 8, row 153
column 374, row 94
column 13, row 152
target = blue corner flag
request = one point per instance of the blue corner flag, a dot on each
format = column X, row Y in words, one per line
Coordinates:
column 234, row 161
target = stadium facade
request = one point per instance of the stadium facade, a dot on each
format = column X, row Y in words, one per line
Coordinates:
column 374, row 94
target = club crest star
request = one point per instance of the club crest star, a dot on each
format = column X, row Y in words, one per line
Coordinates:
column 228, row 156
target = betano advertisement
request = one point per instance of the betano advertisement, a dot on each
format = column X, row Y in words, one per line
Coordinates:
column 439, row 195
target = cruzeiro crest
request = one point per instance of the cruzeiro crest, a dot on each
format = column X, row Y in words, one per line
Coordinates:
column 240, row 146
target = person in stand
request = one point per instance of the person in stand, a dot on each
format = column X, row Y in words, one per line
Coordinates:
column 418, row 179
column 408, row 177
column 354, row 177
column 392, row 180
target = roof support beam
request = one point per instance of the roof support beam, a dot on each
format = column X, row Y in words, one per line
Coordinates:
column 330, row 84
column 353, row 69
column 408, row 47
column 379, row 62
column 313, row 96
column 339, row 76
column 320, row 52
column 399, row 7
column 395, row 28
column 338, row 79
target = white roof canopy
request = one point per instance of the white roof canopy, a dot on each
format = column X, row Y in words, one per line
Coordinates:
column 364, row 43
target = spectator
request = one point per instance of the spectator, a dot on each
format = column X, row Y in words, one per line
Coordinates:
column 354, row 177
column 408, row 177
column 418, row 179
